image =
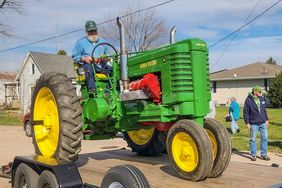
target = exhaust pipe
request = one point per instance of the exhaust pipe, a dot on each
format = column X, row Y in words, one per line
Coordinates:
column 123, row 56
column 172, row 35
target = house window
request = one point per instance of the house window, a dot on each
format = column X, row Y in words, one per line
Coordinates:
column 214, row 87
column 265, row 83
column 32, row 68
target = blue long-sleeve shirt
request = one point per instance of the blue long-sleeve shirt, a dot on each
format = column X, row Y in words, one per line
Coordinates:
column 84, row 47
column 234, row 108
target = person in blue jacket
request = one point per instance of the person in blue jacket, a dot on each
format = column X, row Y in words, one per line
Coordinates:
column 234, row 111
column 256, row 119
column 82, row 52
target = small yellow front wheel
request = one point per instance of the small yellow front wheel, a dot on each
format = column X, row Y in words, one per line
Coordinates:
column 189, row 150
column 145, row 142
column 56, row 117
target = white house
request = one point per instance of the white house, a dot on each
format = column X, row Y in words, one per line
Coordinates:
column 33, row 66
column 238, row 82
column 8, row 89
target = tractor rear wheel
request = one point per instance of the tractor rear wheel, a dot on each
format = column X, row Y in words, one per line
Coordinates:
column 221, row 143
column 56, row 117
column 189, row 150
column 145, row 142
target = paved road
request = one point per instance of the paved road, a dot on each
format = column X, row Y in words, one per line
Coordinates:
column 99, row 156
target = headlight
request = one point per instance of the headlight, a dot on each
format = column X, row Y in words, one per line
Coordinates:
column 80, row 71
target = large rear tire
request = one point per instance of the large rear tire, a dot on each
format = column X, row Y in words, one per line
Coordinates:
column 56, row 117
column 145, row 142
column 189, row 150
column 124, row 176
column 221, row 143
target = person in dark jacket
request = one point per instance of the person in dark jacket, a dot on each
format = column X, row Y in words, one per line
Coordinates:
column 256, row 119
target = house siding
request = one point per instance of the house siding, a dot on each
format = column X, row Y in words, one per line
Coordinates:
column 2, row 92
column 234, row 88
column 27, row 81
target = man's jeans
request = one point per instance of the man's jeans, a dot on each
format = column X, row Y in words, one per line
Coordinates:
column 263, row 139
column 234, row 126
column 89, row 74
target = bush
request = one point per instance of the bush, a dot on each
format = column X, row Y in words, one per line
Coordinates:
column 275, row 91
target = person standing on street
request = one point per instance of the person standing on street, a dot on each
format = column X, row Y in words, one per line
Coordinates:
column 234, row 111
column 256, row 119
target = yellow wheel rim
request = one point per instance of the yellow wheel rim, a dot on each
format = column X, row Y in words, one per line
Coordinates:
column 185, row 152
column 214, row 143
column 46, row 111
column 142, row 136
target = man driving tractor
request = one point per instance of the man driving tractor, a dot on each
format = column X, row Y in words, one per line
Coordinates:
column 82, row 54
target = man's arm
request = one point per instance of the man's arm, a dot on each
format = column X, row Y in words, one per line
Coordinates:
column 266, row 116
column 246, row 112
column 77, row 52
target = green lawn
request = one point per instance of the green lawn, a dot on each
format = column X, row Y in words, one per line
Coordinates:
column 10, row 118
column 241, row 141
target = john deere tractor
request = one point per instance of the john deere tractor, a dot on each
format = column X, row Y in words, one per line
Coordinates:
column 158, row 99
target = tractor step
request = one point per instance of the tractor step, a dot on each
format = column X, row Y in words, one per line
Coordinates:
column 133, row 95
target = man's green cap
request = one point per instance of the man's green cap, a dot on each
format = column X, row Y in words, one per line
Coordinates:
column 91, row 26
column 256, row 88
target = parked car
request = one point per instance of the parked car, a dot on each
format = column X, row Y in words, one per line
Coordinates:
column 27, row 124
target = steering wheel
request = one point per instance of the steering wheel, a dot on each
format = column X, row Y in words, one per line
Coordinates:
column 104, row 58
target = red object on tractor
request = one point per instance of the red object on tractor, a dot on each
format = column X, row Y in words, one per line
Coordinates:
column 150, row 85
column 160, row 126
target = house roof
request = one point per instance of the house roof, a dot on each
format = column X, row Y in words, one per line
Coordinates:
column 247, row 72
column 53, row 63
column 50, row 63
column 9, row 76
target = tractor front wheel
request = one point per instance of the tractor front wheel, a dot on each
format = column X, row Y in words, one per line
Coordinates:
column 145, row 142
column 221, row 143
column 189, row 150
column 56, row 117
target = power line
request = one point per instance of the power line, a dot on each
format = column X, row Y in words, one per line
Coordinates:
column 77, row 30
column 246, row 24
column 234, row 36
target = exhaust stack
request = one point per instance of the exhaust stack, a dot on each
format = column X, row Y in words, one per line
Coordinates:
column 123, row 56
column 172, row 35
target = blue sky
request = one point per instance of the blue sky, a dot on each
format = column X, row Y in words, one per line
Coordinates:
column 209, row 20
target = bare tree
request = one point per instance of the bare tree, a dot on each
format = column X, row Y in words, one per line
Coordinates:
column 7, row 6
column 144, row 30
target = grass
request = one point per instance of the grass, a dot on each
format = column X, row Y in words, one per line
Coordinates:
column 241, row 141
column 10, row 118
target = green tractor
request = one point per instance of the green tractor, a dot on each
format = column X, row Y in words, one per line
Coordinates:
column 158, row 99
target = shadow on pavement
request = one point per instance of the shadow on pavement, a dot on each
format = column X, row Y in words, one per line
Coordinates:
column 121, row 154
column 241, row 153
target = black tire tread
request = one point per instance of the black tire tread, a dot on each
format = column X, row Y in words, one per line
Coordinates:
column 69, row 108
column 49, row 177
column 30, row 175
column 128, row 175
column 223, row 140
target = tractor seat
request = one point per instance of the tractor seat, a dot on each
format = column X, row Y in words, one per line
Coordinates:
column 101, row 75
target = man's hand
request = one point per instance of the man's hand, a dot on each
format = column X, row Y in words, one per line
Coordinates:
column 267, row 123
column 86, row 59
column 249, row 126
